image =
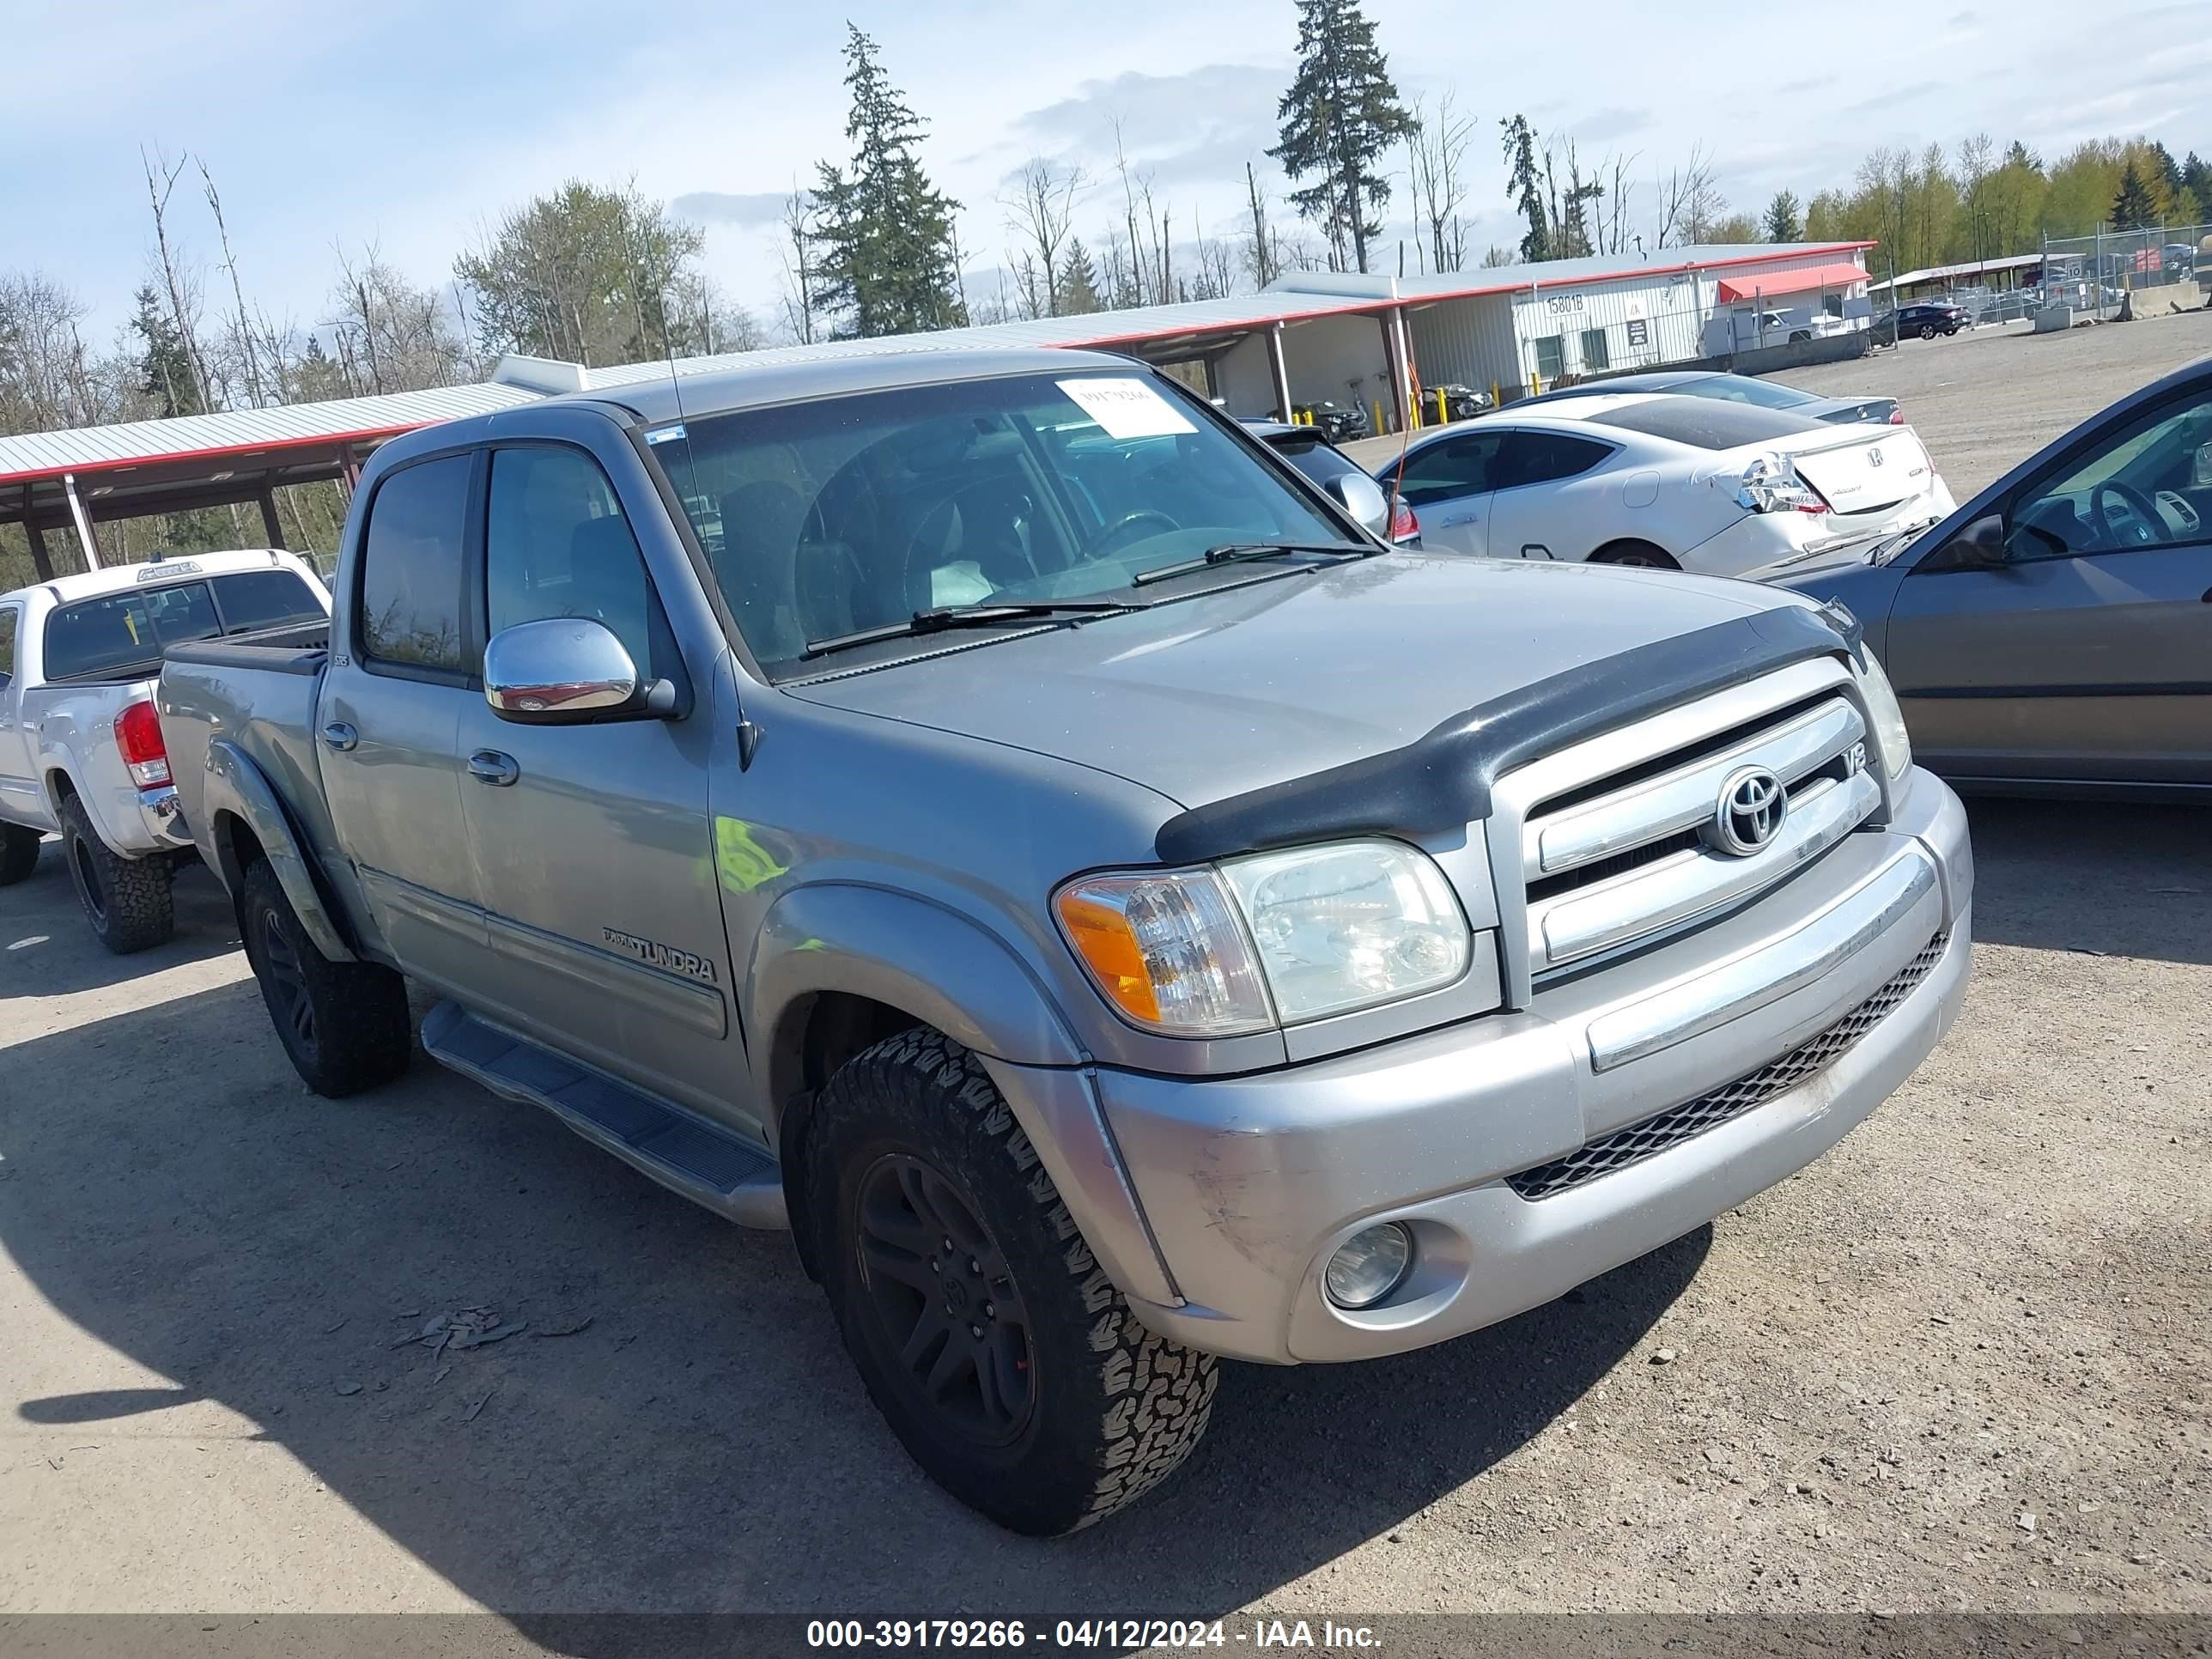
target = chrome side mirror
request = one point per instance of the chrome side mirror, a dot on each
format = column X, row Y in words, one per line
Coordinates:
column 1362, row 497
column 563, row 669
column 2200, row 472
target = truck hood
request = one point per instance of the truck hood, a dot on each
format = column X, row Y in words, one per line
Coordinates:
column 1206, row 698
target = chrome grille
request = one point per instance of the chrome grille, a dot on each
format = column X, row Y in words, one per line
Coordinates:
column 1613, row 862
column 1654, row 1135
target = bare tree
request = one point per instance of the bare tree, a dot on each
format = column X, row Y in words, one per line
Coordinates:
column 1690, row 200
column 1260, row 253
column 1436, row 155
column 391, row 334
column 241, row 329
column 795, row 254
column 1611, row 207
column 1040, row 211
column 181, row 315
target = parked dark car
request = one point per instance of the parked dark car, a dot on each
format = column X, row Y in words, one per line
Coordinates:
column 1337, row 423
column 1739, row 389
column 1930, row 318
column 1304, row 448
column 2054, row 635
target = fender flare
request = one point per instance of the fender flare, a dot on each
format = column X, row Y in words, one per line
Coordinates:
column 235, row 787
column 911, row 953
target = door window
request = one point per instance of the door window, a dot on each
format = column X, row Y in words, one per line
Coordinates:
column 1457, row 466
column 411, row 560
column 6, row 644
column 1533, row 458
column 556, row 544
column 2150, row 484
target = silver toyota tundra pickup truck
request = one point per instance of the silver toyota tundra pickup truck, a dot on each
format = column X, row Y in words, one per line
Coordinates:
column 985, row 813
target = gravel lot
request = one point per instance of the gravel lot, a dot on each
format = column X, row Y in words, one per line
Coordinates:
column 1962, row 1362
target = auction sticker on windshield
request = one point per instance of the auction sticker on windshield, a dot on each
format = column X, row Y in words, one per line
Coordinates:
column 1126, row 409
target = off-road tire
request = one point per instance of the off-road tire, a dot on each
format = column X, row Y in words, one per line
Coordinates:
column 19, row 853
column 125, row 900
column 344, row 1025
column 1113, row 1410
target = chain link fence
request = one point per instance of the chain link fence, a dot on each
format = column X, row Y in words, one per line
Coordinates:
column 2147, row 269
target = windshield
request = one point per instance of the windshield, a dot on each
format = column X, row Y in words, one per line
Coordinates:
column 1742, row 389
column 129, row 630
column 826, row 518
column 1705, row 423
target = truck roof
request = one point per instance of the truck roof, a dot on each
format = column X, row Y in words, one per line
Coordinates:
column 834, row 374
column 114, row 578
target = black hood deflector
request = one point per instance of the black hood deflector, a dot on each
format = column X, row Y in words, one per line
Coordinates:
column 1443, row 779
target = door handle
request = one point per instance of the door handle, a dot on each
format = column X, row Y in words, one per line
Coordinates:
column 489, row 766
column 340, row 736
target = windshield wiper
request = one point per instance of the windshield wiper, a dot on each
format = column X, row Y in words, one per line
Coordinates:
column 1236, row 552
column 937, row 619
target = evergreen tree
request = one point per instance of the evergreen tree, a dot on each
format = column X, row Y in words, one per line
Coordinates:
column 2017, row 154
column 2169, row 171
column 1339, row 118
column 1078, row 282
column 2134, row 207
column 166, row 370
column 886, row 263
column 1782, row 223
column 2196, row 180
column 1525, row 187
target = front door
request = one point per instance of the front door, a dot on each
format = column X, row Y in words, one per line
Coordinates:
column 390, row 720
column 1538, row 512
column 1447, row 484
column 2088, row 654
column 591, row 841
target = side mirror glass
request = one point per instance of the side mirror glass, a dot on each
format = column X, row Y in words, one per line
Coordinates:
column 1362, row 497
column 561, row 669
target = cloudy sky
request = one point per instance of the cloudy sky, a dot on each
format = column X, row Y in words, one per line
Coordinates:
column 407, row 123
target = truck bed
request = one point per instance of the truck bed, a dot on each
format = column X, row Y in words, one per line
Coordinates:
column 297, row 650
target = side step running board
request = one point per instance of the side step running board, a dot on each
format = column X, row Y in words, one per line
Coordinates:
column 703, row 1160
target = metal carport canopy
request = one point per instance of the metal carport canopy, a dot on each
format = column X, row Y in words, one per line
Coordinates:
column 1767, row 285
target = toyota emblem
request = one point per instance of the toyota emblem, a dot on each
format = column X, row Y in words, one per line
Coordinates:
column 1749, row 815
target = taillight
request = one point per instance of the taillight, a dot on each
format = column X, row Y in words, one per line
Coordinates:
column 1897, row 416
column 1404, row 527
column 138, row 734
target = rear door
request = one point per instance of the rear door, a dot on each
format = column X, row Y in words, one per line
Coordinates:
column 593, row 842
column 1448, row 484
column 1549, row 503
column 18, row 791
column 390, row 721
column 2088, row 655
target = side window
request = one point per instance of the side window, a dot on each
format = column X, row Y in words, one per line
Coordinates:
column 1455, row 467
column 8, row 614
column 556, row 544
column 1551, row 357
column 2149, row 485
column 1594, row 355
column 411, row 559
column 1533, row 458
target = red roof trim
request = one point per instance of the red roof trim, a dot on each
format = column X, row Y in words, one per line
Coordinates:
column 85, row 469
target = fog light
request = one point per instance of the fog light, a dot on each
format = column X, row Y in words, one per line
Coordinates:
column 1368, row 1265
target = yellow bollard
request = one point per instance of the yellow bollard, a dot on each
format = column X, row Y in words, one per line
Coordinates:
column 1444, row 411
column 1377, row 407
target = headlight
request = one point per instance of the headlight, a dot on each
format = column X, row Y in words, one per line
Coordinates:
column 1891, row 739
column 1273, row 939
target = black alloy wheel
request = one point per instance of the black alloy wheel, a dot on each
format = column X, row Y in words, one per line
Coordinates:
column 944, row 1301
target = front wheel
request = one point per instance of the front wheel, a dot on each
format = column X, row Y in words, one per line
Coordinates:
column 125, row 900
column 19, row 853
column 344, row 1024
column 996, row 1347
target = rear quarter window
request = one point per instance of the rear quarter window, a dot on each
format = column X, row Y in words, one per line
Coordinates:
column 1706, row 423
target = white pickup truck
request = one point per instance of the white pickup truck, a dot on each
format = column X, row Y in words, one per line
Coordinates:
column 80, row 750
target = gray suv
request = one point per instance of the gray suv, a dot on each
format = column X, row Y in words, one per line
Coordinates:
column 986, row 813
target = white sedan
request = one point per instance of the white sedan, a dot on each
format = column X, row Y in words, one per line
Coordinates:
column 1689, row 483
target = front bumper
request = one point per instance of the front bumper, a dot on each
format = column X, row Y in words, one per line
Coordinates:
column 1248, row 1184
